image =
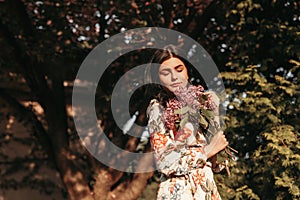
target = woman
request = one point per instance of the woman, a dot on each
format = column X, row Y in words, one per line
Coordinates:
column 179, row 142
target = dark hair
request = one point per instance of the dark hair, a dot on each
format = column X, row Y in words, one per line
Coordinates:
column 156, row 90
column 159, row 56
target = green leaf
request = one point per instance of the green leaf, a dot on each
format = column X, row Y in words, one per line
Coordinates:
column 203, row 122
column 207, row 113
column 182, row 111
column 184, row 121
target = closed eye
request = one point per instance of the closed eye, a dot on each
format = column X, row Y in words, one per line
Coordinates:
column 164, row 72
column 179, row 68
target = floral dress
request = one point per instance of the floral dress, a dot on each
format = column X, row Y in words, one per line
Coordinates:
column 186, row 175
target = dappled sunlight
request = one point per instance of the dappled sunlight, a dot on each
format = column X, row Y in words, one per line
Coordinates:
column 23, row 161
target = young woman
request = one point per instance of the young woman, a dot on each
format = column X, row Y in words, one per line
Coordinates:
column 178, row 121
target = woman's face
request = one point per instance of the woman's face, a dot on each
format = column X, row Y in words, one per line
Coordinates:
column 173, row 74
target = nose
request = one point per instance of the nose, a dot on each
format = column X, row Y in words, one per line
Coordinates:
column 173, row 76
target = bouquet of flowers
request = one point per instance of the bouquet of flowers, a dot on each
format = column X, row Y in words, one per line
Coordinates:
column 195, row 106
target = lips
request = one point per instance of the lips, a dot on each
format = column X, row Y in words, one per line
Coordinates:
column 175, row 84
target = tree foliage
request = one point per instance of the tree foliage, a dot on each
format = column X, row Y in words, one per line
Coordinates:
column 270, row 108
column 262, row 72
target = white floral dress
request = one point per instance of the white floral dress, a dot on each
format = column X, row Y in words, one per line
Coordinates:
column 186, row 175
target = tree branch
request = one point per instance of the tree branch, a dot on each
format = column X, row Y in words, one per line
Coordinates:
column 138, row 183
column 40, row 133
column 36, row 82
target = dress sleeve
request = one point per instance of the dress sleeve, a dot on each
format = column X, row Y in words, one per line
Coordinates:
column 216, row 101
column 172, row 157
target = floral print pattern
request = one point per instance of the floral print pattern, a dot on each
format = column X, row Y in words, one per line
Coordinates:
column 185, row 172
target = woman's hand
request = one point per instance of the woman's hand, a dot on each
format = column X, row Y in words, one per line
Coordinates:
column 217, row 144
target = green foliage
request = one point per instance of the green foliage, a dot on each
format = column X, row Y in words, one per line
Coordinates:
column 282, row 153
column 265, row 110
column 261, row 75
column 245, row 192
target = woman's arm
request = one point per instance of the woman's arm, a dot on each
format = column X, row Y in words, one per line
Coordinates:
column 217, row 144
column 216, row 101
column 219, row 141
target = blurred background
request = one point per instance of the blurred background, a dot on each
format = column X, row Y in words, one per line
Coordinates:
column 255, row 44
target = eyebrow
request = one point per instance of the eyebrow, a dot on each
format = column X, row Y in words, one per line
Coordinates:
column 180, row 65
column 167, row 67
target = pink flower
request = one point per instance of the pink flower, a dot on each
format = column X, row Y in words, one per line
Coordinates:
column 192, row 98
column 168, row 115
